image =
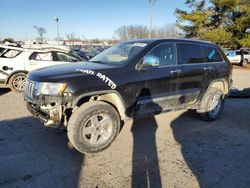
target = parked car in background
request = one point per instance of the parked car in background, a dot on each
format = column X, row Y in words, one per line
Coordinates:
column 16, row 62
column 238, row 57
column 246, row 55
column 85, row 55
column 132, row 79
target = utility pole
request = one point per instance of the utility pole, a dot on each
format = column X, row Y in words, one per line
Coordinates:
column 57, row 28
column 151, row 4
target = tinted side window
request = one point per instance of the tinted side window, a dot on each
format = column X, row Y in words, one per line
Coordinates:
column 166, row 53
column 211, row 54
column 190, row 53
column 245, row 53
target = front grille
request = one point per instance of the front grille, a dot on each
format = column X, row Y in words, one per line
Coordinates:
column 29, row 89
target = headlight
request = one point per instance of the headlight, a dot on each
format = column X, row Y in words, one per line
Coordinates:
column 55, row 89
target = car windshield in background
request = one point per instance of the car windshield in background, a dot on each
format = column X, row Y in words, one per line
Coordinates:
column 119, row 53
column 10, row 53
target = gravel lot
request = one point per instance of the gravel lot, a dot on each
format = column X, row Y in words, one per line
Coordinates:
column 170, row 150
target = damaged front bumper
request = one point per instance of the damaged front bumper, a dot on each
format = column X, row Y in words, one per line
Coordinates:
column 50, row 110
column 50, row 115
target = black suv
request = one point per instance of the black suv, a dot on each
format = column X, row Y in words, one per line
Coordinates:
column 129, row 80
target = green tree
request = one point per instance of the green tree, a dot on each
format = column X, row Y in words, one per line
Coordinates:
column 224, row 22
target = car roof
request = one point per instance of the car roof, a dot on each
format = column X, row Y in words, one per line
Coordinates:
column 11, row 47
column 35, row 48
column 173, row 40
column 44, row 49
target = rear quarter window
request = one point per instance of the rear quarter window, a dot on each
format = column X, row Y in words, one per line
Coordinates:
column 211, row 54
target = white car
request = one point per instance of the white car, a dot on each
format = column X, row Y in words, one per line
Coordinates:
column 238, row 57
column 246, row 55
column 16, row 62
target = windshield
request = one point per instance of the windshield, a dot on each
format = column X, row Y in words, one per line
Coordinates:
column 119, row 53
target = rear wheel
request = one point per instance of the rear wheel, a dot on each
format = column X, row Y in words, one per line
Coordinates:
column 212, row 105
column 17, row 82
column 93, row 127
column 244, row 63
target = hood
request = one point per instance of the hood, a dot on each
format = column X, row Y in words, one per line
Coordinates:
column 63, row 72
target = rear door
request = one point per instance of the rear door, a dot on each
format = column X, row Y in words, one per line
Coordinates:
column 196, row 73
column 39, row 60
column 214, row 57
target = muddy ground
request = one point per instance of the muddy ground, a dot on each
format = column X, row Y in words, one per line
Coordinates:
column 170, row 150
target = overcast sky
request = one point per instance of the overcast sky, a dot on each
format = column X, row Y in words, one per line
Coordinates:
column 92, row 18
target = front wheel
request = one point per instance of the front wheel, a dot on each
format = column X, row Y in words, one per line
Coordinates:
column 17, row 82
column 212, row 105
column 93, row 127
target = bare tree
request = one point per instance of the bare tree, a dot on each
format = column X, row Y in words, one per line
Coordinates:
column 131, row 32
column 167, row 31
column 41, row 31
column 72, row 36
column 138, row 32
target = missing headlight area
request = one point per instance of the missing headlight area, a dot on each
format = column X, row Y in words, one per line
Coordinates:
column 101, row 76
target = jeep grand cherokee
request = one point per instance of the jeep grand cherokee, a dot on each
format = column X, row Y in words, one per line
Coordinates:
column 131, row 79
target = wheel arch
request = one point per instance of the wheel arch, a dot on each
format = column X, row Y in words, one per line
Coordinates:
column 221, row 84
column 13, row 73
column 112, row 97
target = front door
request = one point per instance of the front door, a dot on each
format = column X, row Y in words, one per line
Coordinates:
column 157, row 87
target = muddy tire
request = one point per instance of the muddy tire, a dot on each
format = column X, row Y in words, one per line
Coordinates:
column 93, row 127
column 212, row 105
column 17, row 82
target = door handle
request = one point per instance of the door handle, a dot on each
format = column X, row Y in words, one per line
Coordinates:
column 175, row 71
column 32, row 62
column 207, row 68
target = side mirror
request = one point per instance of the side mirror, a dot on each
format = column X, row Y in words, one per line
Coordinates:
column 150, row 61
